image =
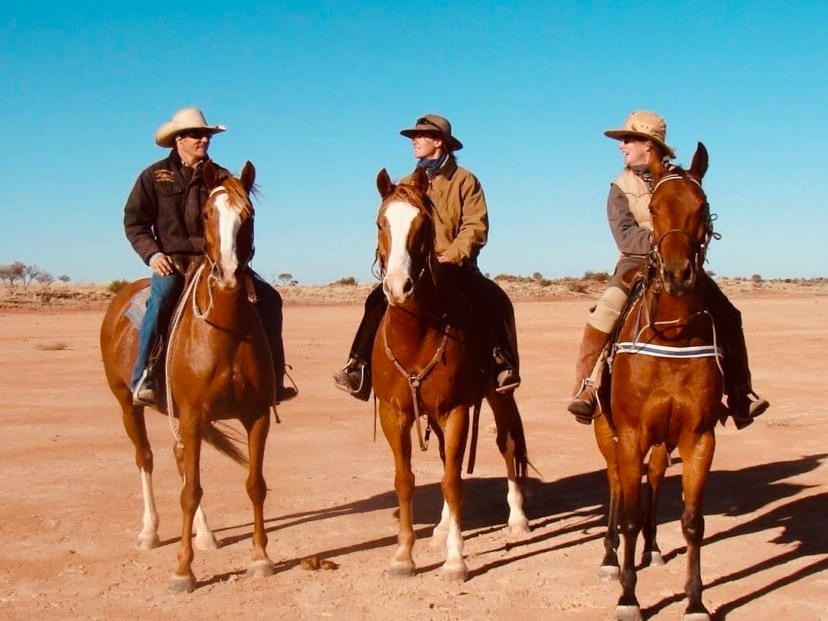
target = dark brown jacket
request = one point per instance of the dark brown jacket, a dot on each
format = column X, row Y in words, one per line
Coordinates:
column 163, row 211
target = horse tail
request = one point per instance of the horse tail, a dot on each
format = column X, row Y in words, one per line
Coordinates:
column 521, row 452
column 226, row 442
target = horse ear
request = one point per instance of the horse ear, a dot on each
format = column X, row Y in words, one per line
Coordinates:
column 384, row 184
column 209, row 173
column 421, row 179
column 248, row 176
column 700, row 162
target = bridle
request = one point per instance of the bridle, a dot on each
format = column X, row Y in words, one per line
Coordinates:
column 655, row 259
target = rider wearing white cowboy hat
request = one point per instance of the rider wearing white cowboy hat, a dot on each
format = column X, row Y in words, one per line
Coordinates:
column 162, row 221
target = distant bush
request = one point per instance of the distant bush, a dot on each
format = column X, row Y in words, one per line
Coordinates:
column 347, row 280
column 596, row 276
column 116, row 285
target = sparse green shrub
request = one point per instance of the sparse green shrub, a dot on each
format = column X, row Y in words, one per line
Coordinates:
column 116, row 285
column 348, row 281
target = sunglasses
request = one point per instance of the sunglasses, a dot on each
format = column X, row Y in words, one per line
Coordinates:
column 196, row 134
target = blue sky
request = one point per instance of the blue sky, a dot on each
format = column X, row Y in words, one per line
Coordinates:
column 315, row 93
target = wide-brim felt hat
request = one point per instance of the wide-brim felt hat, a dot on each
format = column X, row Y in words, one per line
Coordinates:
column 434, row 124
column 644, row 124
column 184, row 119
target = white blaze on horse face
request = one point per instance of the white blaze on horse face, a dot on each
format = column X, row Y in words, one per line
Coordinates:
column 229, row 223
column 398, row 278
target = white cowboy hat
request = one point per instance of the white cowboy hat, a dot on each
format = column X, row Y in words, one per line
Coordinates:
column 644, row 124
column 184, row 119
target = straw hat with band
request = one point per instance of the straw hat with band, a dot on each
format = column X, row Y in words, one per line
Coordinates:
column 643, row 124
column 434, row 124
column 184, row 119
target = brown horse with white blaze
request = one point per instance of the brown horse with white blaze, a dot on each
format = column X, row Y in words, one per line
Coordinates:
column 666, row 377
column 426, row 363
column 218, row 367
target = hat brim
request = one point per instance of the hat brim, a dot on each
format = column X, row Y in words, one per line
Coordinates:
column 165, row 136
column 453, row 143
column 620, row 134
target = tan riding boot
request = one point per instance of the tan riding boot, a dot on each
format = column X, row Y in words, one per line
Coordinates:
column 582, row 405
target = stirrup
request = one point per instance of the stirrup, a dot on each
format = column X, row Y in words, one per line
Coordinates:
column 582, row 405
column 506, row 374
column 144, row 393
column 354, row 379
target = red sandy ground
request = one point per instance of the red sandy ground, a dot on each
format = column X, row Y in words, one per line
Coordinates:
column 70, row 498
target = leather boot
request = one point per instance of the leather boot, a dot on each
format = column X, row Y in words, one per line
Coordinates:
column 506, row 374
column 582, row 405
column 355, row 379
column 743, row 405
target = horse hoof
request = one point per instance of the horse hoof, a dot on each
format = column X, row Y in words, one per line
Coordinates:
column 206, row 542
column 147, row 542
column 455, row 574
column 519, row 527
column 261, row 569
column 696, row 616
column 608, row 573
column 400, row 570
column 182, row 584
column 653, row 559
column 628, row 613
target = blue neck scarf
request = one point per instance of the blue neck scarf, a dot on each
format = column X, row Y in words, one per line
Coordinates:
column 432, row 166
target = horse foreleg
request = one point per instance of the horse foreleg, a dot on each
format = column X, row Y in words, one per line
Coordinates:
column 397, row 430
column 657, row 466
column 189, row 450
column 605, row 438
column 257, row 491
column 456, row 430
column 697, row 460
column 630, row 469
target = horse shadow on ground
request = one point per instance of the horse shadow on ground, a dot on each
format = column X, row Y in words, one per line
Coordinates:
column 578, row 504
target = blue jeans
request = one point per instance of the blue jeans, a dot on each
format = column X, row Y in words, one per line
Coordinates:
column 164, row 293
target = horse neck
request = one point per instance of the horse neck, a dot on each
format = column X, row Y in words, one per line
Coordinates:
column 674, row 317
column 224, row 308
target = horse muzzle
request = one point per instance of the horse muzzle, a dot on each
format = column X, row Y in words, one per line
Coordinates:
column 398, row 288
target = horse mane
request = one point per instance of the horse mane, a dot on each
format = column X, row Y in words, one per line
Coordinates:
column 239, row 198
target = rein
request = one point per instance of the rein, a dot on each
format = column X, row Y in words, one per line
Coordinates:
column 414, row 381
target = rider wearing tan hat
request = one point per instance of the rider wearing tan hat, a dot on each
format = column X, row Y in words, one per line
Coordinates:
column 162, row 221
column 641, row 141
column 461, row 228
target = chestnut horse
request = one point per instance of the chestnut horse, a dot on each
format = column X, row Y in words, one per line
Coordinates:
column 666, row 384
column 426, row 362
column 218, row 366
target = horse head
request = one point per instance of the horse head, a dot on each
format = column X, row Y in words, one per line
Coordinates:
column 682, row 225
column 228, row 222
column 405, row 237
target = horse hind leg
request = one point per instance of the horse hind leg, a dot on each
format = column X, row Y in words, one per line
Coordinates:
column 511, row 442
column 656, row 468
column 136, row 429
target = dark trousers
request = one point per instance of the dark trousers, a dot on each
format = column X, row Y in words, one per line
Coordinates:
column 491, row 304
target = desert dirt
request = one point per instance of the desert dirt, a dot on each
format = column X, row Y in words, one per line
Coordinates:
column 70, row 498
